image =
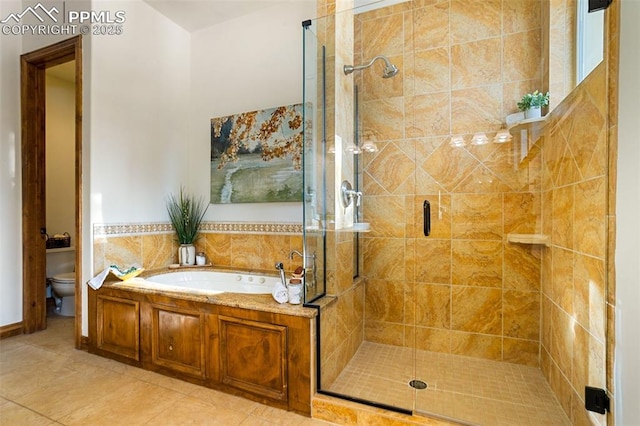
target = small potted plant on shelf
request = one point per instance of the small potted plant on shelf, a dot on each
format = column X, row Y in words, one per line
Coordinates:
column 532, row 104
column 186, row 213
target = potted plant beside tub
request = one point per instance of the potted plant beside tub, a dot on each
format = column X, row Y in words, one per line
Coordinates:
column 532, row 104
column 186, row 213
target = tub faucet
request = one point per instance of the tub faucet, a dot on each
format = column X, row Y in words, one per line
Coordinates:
column 294, row 252
column 280, row 267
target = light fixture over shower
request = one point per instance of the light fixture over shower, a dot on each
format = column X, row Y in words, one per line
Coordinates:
column 389, row 69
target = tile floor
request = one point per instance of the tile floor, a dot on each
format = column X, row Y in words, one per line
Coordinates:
column 474, row 390
column 44, row 380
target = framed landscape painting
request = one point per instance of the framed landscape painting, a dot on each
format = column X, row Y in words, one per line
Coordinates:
column 256, row 157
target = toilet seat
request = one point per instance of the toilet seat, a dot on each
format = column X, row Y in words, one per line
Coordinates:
column 66, row 278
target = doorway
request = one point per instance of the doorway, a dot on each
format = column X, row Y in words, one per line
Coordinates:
column 33, row 104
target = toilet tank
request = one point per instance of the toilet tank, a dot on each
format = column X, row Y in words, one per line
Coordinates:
column 60, row 260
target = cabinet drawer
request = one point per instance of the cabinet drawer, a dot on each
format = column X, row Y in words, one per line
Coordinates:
column 118, row 326
column 253, row 356
column 177, row 340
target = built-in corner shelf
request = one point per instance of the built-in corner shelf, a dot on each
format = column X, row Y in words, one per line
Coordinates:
column 517, row 120
column 540, row 239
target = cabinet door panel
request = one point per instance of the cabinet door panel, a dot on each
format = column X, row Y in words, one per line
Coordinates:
column 253, row 356
column 118, row 326
column 177, row 340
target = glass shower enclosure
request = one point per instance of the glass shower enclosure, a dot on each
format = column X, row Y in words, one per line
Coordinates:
column 427, row 301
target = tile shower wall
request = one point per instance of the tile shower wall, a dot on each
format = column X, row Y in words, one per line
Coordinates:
column 574, row 268
column 244, row 246
column 463, row 290
column 342, row 320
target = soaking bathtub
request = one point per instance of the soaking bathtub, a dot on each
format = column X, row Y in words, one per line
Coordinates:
column 205, row 282
column 215, row 328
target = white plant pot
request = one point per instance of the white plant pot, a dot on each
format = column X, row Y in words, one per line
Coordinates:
column 533, row 113
column 187, row 254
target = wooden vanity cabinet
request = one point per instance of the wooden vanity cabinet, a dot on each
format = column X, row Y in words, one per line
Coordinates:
column 263, row 356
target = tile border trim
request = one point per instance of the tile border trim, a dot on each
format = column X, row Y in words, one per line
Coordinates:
column 207, row 227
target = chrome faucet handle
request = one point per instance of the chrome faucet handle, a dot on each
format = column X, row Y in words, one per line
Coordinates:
column 279, row 266
column 292, row 252
column 358, row 196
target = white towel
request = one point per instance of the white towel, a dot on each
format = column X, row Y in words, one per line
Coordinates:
column 280, row 293
column 96, row 282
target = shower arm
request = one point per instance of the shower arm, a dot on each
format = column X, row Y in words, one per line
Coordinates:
column 348, row 69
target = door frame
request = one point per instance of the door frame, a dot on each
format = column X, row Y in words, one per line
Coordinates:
column 32, row 96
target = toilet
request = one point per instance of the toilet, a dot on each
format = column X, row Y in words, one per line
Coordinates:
column 60, row 272
column 64, row 287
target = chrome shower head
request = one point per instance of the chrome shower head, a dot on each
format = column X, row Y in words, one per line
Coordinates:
column 389, row 69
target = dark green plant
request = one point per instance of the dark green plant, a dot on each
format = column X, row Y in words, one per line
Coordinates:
column 186, row 213
column 533, row 100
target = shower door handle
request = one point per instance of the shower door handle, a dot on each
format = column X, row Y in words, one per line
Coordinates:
column 426, row 218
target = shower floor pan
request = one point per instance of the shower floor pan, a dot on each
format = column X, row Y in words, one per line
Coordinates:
column 473, row 390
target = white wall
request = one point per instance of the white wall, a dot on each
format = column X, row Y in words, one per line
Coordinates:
column 139, row 113
column 138, row 108
column 241, row 65
column 627, row 357
column 60, row 157
column 10, row 186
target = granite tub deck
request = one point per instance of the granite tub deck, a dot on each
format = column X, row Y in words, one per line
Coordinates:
column 242, row 344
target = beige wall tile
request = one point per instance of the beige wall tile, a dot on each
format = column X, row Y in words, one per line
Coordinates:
column 429, row 70
column 521, row 314
column 476, row 345
column 383, row 118
column 562, row 277
column 522, row 213
column 433, row 339
column 432, row 261
column 383, row 35
column 218, row 248
column 475, row 20
column 427, row 115
column 430, row 26
column 387, row 214
column 590, row 210
column 433, row 306
column 390, row 168
column 521, row 351
column 521, row 15
column 384, row 300
column 384, row 258
column 589, row 296
column 477, row 216
column 476, row 310
column 476, row 109
column 562, row 332
column 562, row 217
column 123, row 251
column 522, row 267
column 476, row 63
column 477, row 263
column 522, row 56
column 245, row 252
column 158, row 250
column 449, row 166
column 384, row 332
